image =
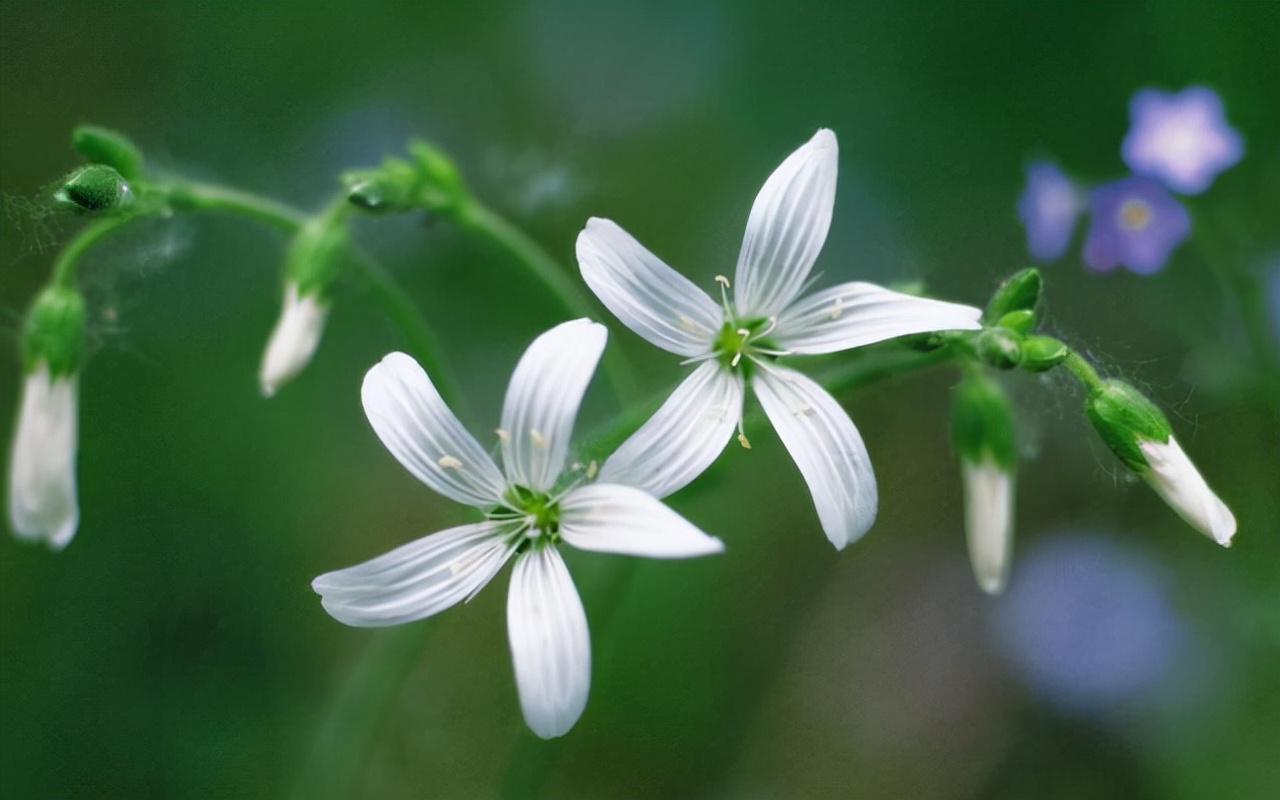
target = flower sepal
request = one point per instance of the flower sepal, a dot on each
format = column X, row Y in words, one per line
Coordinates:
column 1125, row 418
column 105, row 146
column 54, row 332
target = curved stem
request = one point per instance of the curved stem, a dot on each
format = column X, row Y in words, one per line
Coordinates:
column 1082, row 370
column 186, row 195
column 64, row 269
column 335, row 764
column 479, row 219
column 397, row 304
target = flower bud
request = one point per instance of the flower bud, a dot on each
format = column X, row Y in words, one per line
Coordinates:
column 999, row 347
column 1019, row 292
column 441, row 187
column 982, row 432
column 94, row 189
column 1041, row 353
column 1020, row 321
column 42, row 480
column 389, row 188
column 1140, row 436
column 310, row 269
column 104, row 146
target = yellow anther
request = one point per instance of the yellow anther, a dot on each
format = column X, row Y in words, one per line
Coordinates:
column 449, row 462
column 736, row 358
column 723, row 281
column 592, row 468
column 502, row 434
column 686, row 324
column 837, row 310
column 539, row 441
column 742, row 440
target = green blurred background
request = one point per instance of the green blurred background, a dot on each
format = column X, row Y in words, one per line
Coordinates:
column 175, row 649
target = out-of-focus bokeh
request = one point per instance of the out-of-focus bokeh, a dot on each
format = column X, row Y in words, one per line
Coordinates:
column 175, row 649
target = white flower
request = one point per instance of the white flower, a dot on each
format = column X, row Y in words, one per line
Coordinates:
column 1177, row 480
column 530, row 510
column 738, row 339
column 294, row 339
column 988, row 520
column 42, row 467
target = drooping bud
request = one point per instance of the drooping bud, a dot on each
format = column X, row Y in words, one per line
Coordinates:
column 441, row 189
column 1140, row 436
column 429, row 180
column 312, row 265
column 105, row 146
column 94, row 189
column 42, row 480
column 1041, row 353
column 982, row 432
column 1019, row 292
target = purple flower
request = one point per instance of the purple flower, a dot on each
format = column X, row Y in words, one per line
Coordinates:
column 1048, row 209
column 1135, row 223
column 1182, row 139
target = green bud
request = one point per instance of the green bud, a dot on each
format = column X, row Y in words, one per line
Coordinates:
column 441, row 187
column 1124, row 418
column 999, row 347
column 1020, row 321
column 315, row 256
column 389, row 188
column 982, row 422
column 95, row 189
column 105, row 146
column 1040, row 353
column 923, row 342
column 1019, row 292
column 54, row 331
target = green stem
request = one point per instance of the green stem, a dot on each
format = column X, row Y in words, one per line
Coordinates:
column 479, row 219
column 64, row 269
column 186, row 195
column 397, row 304
column 1082, row 370
column 344, row 741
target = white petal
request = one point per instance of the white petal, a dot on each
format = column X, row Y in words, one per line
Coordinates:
column 856, row 314
column 988, row 519
column 416, row 580
column 787, row 227
column 294, row 340
column 827, row 449
column 42, row 466
column 619, row 519
column 543, row 398
column 423, row 434
column 683, row 437
column 550, row 645
column 650, row 298
column 1177, row 480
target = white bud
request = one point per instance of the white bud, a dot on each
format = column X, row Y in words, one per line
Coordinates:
column 988, row 520
column 294, row 339
column 42, row 467
column 1177, row 480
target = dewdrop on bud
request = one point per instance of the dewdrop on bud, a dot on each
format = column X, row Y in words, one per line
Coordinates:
column 1140, row 436
column 94, row 189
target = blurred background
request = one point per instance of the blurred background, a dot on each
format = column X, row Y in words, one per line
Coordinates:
column 175, row 648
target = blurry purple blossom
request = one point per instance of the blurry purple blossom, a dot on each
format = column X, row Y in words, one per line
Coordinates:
column 1048, row 208
column 1181, row 139
column 1135, row 223
column 1089, row 623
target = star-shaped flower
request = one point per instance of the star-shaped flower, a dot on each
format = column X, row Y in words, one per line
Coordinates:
column 531, row 507
column 1135, row 222
column 1049, row 207
column 740, row 339
column 1181, row 139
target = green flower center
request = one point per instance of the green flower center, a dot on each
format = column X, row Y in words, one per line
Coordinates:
column 743, row 337
column 537, row 512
